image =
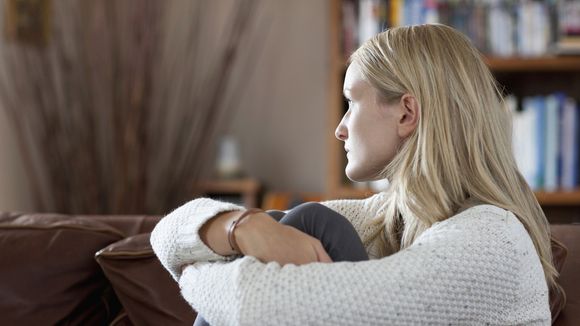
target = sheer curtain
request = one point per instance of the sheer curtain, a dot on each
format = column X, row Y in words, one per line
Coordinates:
column 119, row 109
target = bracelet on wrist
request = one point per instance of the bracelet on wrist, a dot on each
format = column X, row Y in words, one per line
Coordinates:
column 235, row 223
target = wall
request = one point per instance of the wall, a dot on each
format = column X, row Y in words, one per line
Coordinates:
column 281, row 124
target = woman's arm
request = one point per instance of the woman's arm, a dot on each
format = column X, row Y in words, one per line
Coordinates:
column 176, row 240
column 197, row 231
column 260, row 236
column 465, row 272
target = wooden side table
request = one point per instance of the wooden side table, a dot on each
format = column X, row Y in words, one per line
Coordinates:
column 240, row 191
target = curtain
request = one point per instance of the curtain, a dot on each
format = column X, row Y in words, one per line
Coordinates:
column 118, row 105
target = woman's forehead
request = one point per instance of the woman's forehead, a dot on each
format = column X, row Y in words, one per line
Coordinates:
column 353, row 79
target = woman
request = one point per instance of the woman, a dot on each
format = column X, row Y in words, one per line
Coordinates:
column 458, row 237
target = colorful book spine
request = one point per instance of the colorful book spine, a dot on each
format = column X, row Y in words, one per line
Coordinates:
column 525, row 144
column 551, row 148
column 569, row 144
column 539, row 107
column 369, row 19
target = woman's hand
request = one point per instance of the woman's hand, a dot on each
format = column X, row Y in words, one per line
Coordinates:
column 261, row 236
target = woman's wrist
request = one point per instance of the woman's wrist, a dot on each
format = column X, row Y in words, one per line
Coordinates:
column 233, row 226
column 246, row 228
column 214, row 232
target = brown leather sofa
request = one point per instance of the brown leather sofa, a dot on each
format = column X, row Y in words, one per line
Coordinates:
column 569, row 235
column 100, row 270
column 84, row 270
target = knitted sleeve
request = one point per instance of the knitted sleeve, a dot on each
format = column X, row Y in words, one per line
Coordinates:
column 176, row 242
column 175, row 239
column 465, row 271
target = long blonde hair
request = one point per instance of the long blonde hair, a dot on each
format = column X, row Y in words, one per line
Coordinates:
column 461, row 150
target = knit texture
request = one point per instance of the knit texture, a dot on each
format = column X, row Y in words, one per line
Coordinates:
column 478, row 267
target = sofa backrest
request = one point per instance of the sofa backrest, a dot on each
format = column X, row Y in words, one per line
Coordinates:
column 569, row 235
column 49, row 275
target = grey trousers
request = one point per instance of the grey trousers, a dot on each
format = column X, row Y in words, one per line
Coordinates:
column 337, row 235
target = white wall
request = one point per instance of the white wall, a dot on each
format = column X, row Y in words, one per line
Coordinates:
column 282, row 123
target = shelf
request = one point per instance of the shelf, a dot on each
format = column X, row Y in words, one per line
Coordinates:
column 558, row 198
column 564, row 63
column 514, row 64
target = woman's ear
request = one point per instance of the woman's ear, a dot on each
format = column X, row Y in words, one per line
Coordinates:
column 409, row 115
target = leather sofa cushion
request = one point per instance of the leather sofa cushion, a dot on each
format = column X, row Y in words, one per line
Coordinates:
column 49, row 275
column 128, row 225
column 557, row 299
column 569, row 235
column 122, row 319
column 148, row 293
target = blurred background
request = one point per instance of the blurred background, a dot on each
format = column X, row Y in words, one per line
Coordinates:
column 122, row 106
column 136, row 106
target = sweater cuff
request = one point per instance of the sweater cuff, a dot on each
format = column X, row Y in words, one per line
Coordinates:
column 175, row 239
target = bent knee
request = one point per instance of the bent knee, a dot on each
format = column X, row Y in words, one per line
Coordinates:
column 314, row 211
column 311, row 207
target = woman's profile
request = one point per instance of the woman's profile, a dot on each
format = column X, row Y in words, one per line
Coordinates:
column 457, row 238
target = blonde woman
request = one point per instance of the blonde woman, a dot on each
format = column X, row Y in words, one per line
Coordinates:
column 458, row 237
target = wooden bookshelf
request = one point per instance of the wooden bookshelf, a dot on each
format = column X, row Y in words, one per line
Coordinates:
column 559, row 198
column 522, row 76
column 540, row 64
column 334, row 94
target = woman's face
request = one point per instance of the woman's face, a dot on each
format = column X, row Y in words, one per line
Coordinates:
column 369, row 129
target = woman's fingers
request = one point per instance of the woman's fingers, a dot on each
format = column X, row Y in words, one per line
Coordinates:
column 262, row 237
column 321, row 254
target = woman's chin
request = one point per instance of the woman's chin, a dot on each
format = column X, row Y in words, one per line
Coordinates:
column 357, row 174
column 353, row 175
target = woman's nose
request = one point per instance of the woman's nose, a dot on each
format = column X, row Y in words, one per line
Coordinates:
column 341, row 132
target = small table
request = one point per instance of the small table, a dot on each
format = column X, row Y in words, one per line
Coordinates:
column 240, row 191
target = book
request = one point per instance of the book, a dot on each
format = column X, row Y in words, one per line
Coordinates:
column 524, row 142
column 568, row 28
column 349, row 23
column 552, row 143
column 369, row 19
column 569, row 145
column 538, row 104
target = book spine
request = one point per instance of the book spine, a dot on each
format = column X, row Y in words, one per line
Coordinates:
column 540, row 137
column 569, row 144
column 525, row 147
column 551, row 144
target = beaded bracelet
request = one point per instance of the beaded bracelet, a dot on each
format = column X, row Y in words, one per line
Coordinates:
column 231, row 238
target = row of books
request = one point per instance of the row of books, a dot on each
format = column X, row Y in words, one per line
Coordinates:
column 497, row 27
column 546, row 136
column 569, row 28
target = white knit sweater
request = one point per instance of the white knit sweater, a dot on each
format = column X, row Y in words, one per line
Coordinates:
column 478, row 267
